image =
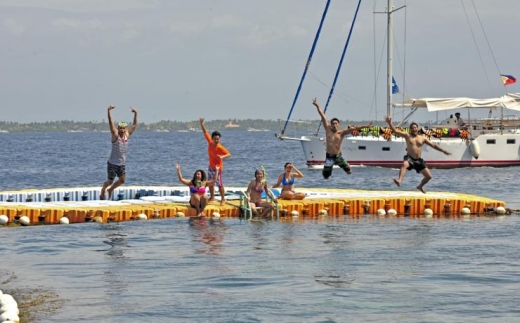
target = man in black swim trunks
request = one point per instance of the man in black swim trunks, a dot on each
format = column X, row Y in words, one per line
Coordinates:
column 413, row 160
column 334, row 137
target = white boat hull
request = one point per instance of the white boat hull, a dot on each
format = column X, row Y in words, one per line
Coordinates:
column 496, row 150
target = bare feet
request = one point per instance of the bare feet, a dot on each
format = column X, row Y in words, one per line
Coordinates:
column 421, row 189
column 110, row 191
column 398, row 183
column 223, row 202
column 211, row 199
column 102, row 195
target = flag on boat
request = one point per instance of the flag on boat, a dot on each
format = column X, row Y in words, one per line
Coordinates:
column 395, row 88
column 508, row 79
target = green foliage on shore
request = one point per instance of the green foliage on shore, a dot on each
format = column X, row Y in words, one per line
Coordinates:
column 165, row 125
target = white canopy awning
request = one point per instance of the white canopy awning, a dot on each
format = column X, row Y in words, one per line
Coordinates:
column 509, row 101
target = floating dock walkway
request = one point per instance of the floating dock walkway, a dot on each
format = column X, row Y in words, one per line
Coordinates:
column 82, row 204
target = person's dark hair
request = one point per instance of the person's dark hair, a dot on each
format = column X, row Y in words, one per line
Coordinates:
column 332, row 120
column 215, row 133
column 202, row 176
column 413, row 123
column 257, row 171
column 285, row 166
column 457, row 114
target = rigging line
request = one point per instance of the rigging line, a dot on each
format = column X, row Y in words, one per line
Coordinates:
column 404, row 92
column 340, row 62
column 307, row 64
column 475, row 43
column 339, row 94
column 487, row 41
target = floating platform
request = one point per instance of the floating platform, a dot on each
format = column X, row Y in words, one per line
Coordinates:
column 82, row 204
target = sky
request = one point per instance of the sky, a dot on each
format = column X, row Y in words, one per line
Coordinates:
column 243, row 59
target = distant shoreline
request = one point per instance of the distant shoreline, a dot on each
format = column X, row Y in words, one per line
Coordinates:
column 168, row 126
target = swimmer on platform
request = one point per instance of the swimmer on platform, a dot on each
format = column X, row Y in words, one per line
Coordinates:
column 197, row 185
column 116, row 164
column 286, row 179
column 254, row 194
column 412, row 159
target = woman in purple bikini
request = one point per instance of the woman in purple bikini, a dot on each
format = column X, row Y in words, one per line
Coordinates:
column 197, row 185
column 254, row 194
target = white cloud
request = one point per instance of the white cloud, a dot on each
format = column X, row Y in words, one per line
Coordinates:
column 13, row 27
column 78, row 25
column 186, row 27
column 226, row 21
column 82, row 5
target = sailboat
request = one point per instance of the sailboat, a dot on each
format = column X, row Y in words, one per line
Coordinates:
column 480, row 142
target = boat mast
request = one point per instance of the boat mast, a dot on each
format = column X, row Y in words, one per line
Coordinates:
column 307, row 64
column 389, row 72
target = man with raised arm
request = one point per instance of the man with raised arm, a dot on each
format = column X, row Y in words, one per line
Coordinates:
column 334, row 138
column 116, row 164
column 216, row 153
column 412, row 159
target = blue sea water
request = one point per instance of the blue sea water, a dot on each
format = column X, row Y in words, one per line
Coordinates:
column 335, row 269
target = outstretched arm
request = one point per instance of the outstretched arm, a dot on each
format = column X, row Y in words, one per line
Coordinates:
column 322, row 114
column 202, row 126
column 436, row 147
column 269, row 193
column 111, row 124
column 280, row 177
column 179, row 176
column 350, row 129
column 134, row 124
column 394, row 129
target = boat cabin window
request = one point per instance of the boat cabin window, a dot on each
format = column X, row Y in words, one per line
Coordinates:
column 511, row 141
column 362, row 147
column 491, row 141
column 386, row 148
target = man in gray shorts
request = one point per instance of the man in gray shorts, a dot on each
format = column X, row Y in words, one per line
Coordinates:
column 117, row 160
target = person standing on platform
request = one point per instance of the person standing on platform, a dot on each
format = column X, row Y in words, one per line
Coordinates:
column 334, row 137
column 412, row 159
column 216, row 153
column 116, row 164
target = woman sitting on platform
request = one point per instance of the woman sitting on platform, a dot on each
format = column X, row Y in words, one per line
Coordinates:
column 254, row 194
column 197, row 185
column 287, row 180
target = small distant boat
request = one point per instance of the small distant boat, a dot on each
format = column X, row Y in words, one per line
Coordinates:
column 4, row 131
column 162, row 130
column 232, row 125
column 183, row 130
column 74, row 130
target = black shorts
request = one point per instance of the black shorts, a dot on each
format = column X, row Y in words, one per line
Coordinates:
column 115, row 170
column 415, row 163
